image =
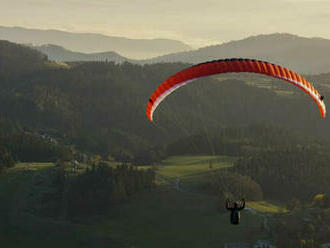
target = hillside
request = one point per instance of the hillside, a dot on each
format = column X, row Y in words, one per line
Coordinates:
column 100, row 106
column 93, row 43
column 16, row 58
column 304, row 55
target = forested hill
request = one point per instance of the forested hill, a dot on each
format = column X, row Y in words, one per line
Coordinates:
column 16, row 58
column 100, row 106
column 304, row 55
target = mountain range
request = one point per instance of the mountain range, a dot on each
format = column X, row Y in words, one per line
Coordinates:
column 93, row 43
column 304, row 55
column 301, row 54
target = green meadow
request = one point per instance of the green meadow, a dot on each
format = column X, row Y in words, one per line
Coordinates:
column 193, row 168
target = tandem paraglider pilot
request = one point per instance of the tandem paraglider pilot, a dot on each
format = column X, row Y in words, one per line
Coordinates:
column 235, row 214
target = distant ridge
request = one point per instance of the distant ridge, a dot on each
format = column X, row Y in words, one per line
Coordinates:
column 304, row 55
column 61, row 54
column 93, row 43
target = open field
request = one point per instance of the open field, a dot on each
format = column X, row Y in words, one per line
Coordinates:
column 32, row 166
column 192, row 172
column 266, row 207
column 261, row 81
column 190, row 166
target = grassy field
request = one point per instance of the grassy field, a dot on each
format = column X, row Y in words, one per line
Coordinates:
column 266, row 207
column 192, row 172
column 161, row 217
column 193, row 166
column 264, row 82
column 32, row 166
column 57, row 65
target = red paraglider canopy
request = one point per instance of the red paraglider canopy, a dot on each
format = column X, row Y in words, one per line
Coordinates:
column 231, row 65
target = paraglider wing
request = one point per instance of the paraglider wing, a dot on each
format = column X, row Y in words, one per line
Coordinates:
column 227, row 66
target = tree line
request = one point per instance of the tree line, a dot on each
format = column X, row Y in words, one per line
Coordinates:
column 61, row 193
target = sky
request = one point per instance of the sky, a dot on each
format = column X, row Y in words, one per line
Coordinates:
column 197, row 23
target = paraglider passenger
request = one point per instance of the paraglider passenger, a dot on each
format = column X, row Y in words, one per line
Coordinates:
column 235, row 211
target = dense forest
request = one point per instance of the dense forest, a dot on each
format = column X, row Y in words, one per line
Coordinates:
column 107, row 102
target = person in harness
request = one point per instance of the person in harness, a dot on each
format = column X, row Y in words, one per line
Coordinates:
column 235, row 211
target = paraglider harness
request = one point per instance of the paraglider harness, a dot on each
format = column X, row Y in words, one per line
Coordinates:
column 235, row 211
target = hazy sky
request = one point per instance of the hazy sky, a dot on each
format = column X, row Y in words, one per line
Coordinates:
column 197, row 23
